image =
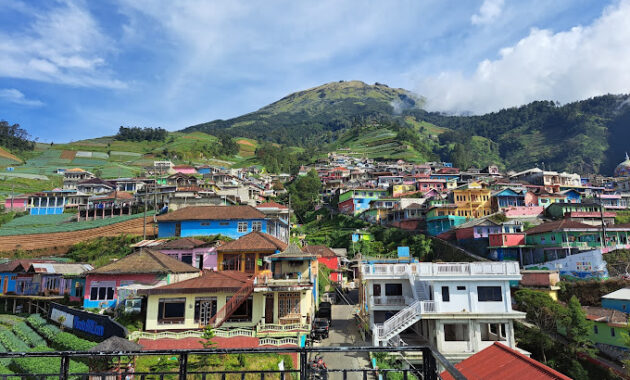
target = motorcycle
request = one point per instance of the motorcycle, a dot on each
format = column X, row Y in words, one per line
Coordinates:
column 318, row 369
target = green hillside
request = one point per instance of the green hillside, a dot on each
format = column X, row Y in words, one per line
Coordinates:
column 588, row 136
column 315, row 115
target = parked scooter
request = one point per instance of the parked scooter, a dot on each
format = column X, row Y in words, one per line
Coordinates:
column 318, row 369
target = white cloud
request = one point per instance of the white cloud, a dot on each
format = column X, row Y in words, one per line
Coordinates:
column 582, row 62
column 488, row 12
column 62, row 44
column 12, row 95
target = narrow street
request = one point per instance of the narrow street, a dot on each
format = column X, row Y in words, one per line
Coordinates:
column 344, row 333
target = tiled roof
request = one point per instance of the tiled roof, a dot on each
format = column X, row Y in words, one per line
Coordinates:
column 23, row 264
column 561, row 224
column 145, row 261
column 254, row 241
column 610, row 316
column 212, row 213
column 320, row 251
column 208, row 282
column 271, row 205
column 293, row 252
column 499, row 362
column 183, row 243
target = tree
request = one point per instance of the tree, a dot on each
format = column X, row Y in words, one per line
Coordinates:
column 304, row 192
column 577, row 327
column 543, row 312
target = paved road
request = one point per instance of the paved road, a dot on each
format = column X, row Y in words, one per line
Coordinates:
column 344, row 333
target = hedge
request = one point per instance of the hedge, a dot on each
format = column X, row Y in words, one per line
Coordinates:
column 30, row 337
column 58, row 339
column 48, row 365
column 12, row 342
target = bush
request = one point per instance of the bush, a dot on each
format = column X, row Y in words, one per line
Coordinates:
column 36, row 320
column 12, row 342
column 30, row 337
column 49, row 365
column 58, row 339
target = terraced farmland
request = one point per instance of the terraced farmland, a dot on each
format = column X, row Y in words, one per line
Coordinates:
column 58, row 239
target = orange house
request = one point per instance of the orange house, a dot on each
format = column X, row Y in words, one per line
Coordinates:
column 247, row 253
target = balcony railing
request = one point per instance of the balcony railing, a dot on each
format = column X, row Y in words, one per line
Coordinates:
column 432, row 360
column 390, row 300
column 441, row 269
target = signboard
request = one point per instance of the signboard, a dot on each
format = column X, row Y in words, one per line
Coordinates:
column 95, row 326
column 403, row 251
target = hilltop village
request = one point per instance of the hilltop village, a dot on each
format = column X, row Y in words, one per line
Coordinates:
column 240, row 253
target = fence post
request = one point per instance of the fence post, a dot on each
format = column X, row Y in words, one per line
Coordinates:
column 428, row 365
column 303, row 365
column 183, row 366
column 63, row 369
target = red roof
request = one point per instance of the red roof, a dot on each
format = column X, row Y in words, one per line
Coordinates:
column 499, row 362
column 559, row 225
column 254, row 241
column 320, row 251
column 208, row 282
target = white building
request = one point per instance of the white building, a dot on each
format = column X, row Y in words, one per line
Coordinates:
column 459, row 308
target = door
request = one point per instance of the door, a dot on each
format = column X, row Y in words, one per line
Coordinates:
column 178, row 229
column 269, row 308
column 207, row 309
column 5, row 286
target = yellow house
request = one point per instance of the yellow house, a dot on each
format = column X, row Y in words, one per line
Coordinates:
column 247, row 253
column 472, row 201
column 234, row 299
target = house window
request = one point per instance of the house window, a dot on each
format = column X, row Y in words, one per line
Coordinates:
column 489, row 294
column 612, row 331
column 187, row 259
column 224, row 223
column 288, row 304
column 393, row 289
column 446, row 297
column 100, row 291
column 256, row 226
column 243, row 313
column 493, row 332
column 52, row 283
column 461, row 288
column 231, row 262
column 242, row 226
column 455, row 332
column 595, row 330
column 376, row 290
column 205, row 223
column 171, row 310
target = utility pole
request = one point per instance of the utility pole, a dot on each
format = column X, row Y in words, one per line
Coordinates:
column 12, row 194
column 144, row 205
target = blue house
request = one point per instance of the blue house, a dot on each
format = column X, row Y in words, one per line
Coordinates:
column 508, row 198
column 573, row 196
column 443, row 223
column 231, row 221
column 617, row 300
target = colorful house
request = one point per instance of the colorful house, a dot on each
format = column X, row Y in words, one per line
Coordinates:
column 16, row 203
column 147, row 267
column 247, row 253
column 231, row 221
column 472, row 200
column 617, row 300
column 195, row 252
column 233, row 299
column 507, row 198
column 443, row 223
column 328, row 258
column 57, row 278
column 355, row 201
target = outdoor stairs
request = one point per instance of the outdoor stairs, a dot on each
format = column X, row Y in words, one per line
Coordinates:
column 399, row 322
column 232, row 305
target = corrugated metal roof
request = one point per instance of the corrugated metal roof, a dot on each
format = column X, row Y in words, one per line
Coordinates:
column 621, row 294
column 499, row 362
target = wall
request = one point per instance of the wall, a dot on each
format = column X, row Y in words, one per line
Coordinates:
column 118, row 280
column 621, row 305
column 258, row 309
column 506, row 240
column 195, row 228
column 467, row 299
column 331, row 263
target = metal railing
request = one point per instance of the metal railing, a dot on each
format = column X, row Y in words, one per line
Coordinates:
column 432, row 364
column 441, row 269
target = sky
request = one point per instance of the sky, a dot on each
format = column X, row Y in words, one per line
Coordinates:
column 75, row 69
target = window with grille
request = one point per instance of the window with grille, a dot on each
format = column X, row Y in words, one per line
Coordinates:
column 256, row 226
column 242, row 226
column 288, row 303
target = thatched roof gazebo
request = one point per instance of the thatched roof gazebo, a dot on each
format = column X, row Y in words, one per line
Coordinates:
column 115, row 365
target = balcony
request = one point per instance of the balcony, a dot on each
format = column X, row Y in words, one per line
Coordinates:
column 477, row 269
column 390, row 301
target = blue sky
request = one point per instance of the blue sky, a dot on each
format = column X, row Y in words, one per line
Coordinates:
column 78, row 69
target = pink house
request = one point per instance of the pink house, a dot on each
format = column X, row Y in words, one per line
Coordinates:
column 16, row 203
column 506, row 239
column 185, row 169
column 147, row 268
column 191, row 251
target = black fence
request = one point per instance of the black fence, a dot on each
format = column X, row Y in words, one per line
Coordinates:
column 432, row 364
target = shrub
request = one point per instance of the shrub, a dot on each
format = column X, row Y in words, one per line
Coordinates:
column 30, row 337
column 49, row 365
column 12, row 342
column 36, row 320
column 58, row 339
